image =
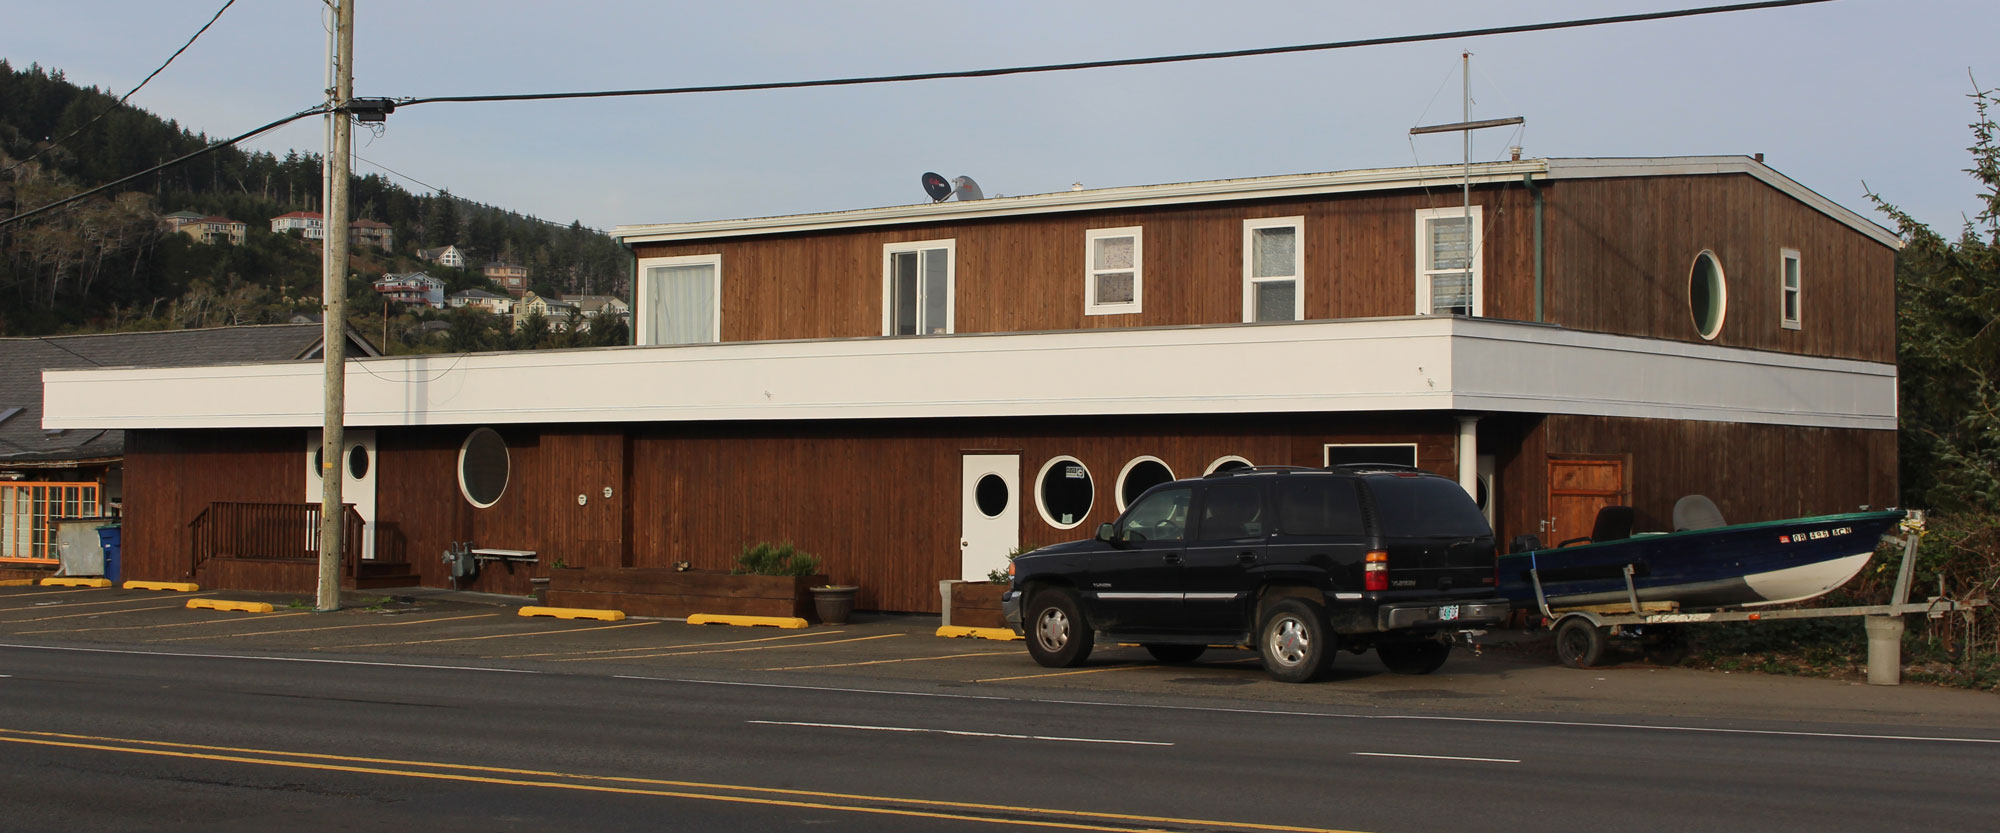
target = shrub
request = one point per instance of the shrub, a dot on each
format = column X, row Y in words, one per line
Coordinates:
column 767, row 559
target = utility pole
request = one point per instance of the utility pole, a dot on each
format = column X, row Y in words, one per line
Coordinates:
column 340, row 90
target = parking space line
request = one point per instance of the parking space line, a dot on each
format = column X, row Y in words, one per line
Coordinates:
column 326, row 628
column 958, row 732
column 665, row 647
column 1060, row 673
column 1438, row 757
column 489, row 636
column 888, row 661
column 68, row 605
column 54, row 592
column 733, row 650
column 92, row 613
column 168, row 625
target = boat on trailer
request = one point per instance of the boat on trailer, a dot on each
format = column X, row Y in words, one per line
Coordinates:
column 1745, row 565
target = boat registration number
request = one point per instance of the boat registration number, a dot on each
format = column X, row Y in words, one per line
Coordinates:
column 1448, row 612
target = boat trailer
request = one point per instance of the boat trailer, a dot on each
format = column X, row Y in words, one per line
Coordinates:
column 1582, row 633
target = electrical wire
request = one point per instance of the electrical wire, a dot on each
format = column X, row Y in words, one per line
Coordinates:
column 1116, row 62
column 121, row 101
column 473, row 203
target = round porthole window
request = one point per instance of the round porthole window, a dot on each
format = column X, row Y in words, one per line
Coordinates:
column 357, row 462
column 991, row 495
column 1063, row 492
column 1139, row 475
column 1708, row 295
column 1230, row 463
column 483, row 468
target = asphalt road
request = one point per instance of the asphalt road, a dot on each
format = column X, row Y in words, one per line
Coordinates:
column 127, row 711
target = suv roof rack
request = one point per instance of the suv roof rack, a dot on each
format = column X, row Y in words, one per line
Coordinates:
column 1260, row 470
column 1371, row 468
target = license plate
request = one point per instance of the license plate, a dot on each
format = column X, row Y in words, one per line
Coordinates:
column 1448, row 612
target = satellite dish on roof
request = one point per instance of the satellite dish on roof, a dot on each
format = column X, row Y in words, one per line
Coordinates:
column 936, row 186
column 966, row 189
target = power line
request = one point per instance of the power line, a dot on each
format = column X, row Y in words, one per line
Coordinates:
column 474, row 203
column 135, row 90
column 1118, row 62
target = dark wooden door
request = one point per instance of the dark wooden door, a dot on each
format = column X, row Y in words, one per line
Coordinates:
column 1577, row 489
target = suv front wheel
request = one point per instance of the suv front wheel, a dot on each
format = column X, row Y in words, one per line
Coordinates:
column 1295, row 642
column 1058, row 636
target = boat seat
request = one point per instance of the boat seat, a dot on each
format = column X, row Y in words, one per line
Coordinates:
column 1697, row 512
column 1613, row 523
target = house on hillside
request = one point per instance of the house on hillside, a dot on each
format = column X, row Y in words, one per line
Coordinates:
column 411, row 288
column 207, row 228
column 47, row 473
column 912, row 391
column 367, row 233
column 559, row 313
column 510, row 277
column 309, row 224
column 449, row 256
column 480, row 299
column 592, row 306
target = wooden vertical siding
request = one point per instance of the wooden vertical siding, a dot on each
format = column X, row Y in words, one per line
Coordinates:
column 1027, row 273
column 171, row 475
column 1620, row 250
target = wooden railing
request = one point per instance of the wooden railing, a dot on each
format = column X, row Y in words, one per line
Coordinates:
column 276, row 531
column 28, row 514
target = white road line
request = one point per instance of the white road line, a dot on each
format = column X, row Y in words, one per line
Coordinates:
column 1337, row 715
column 959, row 732
column 270, row 659
column 1438, row 757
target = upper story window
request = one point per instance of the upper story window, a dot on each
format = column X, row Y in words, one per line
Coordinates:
column 680, row 300
column 1115, row 259
column 1450, row 261
column 1273, row 260
column 1789, row 289
column 1708, row 295
column 917, row 286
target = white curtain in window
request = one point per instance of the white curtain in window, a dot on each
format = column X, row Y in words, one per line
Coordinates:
column 683, row 304
column 1276, row 253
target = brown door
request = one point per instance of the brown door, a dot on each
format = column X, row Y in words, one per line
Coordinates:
column 1577, row 489
column 594, row 520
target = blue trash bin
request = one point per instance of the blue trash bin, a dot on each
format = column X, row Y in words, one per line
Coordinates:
column 110, row 537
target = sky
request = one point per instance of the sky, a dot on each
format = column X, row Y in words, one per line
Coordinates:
column 1834, row 95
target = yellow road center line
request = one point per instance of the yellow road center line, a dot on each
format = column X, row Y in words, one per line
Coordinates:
column 92, row 613
column 100, row 743
column 326, row 628
column 666, row 647
column 888, row 661
column 169, row 625
column 731, row 650
column 492, row 636
column 1058, row 674
column 54, row 606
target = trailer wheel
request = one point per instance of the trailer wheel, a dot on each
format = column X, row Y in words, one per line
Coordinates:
column 1579, row 644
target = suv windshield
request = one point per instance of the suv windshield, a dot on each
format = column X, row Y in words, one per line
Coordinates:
column 1425, row 507
column 1159, row 516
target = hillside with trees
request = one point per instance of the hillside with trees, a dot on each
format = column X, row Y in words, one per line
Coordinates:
column 108, row 262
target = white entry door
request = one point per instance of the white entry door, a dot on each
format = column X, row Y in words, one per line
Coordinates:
column 990, row 513
column 357, row 478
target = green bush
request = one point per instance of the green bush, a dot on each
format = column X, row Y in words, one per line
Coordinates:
column 767, row 559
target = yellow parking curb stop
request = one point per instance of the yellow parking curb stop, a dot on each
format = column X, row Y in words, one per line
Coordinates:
column 17, row 582
column 240, row 607
column 996, row 634
column 787, row 622
column 177, row 586
column 76, row 582
column 574, row 613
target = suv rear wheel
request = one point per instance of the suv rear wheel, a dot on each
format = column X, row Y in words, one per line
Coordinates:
column 1294, row 641
column 1058, row 637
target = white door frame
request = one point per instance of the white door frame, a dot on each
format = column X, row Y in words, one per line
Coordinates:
column 360, row 492
column 985, row 540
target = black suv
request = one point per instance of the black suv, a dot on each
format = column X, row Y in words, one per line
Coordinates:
column 1296, row 561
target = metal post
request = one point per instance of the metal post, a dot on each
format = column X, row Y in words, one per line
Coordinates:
column 334, row 313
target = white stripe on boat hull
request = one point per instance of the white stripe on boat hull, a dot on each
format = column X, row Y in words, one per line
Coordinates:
column 1796, row 584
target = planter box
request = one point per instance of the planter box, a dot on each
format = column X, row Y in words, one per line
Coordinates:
column 976, row 604
column 670, row 593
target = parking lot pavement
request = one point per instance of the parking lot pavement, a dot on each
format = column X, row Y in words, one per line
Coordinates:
column 903, row 652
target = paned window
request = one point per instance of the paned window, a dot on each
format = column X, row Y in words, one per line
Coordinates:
column 1273, row 261
column 1789, row 291
column 1450, row 258
column 1116, row 259
column 680, row 300
column 917, row 288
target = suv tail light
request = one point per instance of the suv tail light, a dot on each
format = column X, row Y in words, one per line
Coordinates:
column 1375, row 571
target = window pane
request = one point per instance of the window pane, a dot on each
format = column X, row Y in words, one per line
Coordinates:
column 1426, row 507
column 1277, row 301
column 1162, row 516
column 1400, row 455
column 1113, row 253
column 1450, row 245
column 1451, row 293
column 1114, row 288
column 1145, row 475
column 1066, row 492
column 1233, row 510
column 683, row 304
column 903, row 292
column 1318, row 506
column 937, row 291
column 1274, row 253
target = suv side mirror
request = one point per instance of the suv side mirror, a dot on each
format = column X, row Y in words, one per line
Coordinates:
column 1107, row 533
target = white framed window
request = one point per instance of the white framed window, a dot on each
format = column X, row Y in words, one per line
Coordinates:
column 1708, row 295
column 1451, row 254
column 1790, row 290
column 1400, row 454
column 1138, row 475
column 918, row 287
column 1229, row 462
column 679, row 300
column 1273, row 261
column 1114, row 270
column 483, row 467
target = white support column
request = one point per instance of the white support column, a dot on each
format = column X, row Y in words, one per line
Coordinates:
column 1468, row 455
